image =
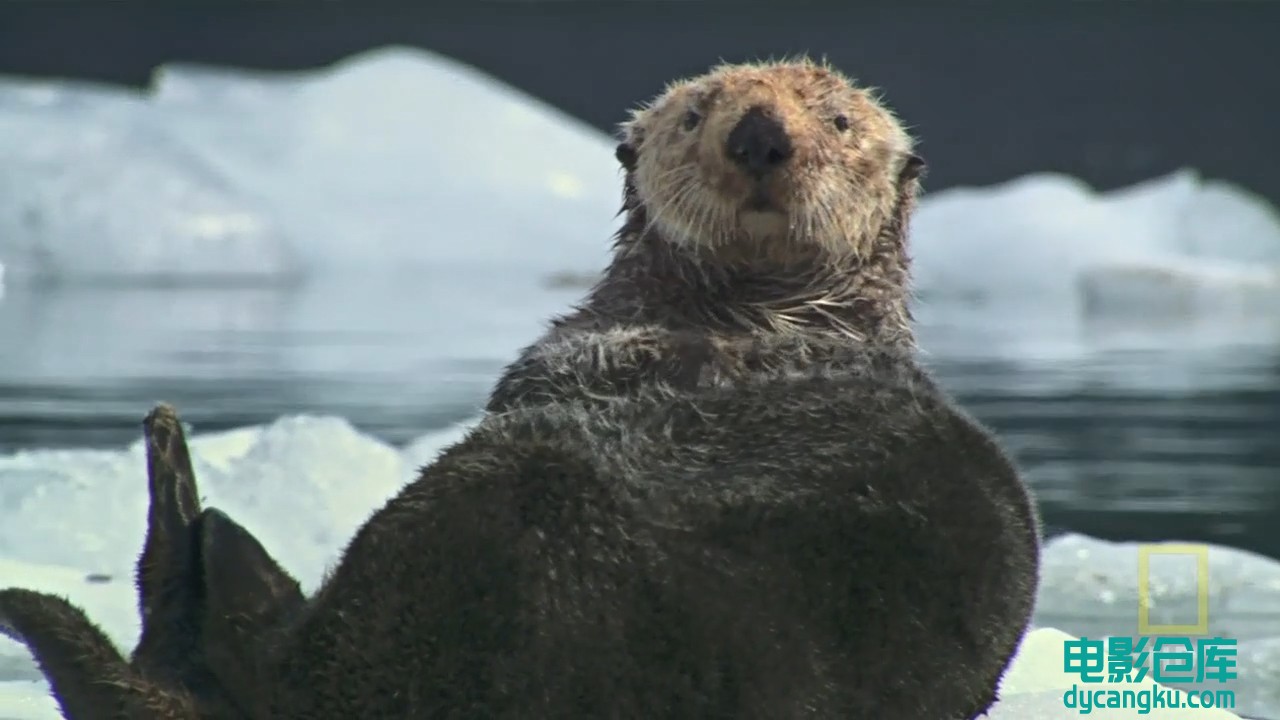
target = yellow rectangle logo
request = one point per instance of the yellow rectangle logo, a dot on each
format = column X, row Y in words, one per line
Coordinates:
column 1201, row 554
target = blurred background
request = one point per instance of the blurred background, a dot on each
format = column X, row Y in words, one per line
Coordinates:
column 264, row 212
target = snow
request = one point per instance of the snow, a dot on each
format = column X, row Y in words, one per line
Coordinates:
column 303, row 484
column 328, row 475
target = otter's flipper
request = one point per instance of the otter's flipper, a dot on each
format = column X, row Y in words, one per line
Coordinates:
column 246, row 593
column 88, row 676
column 201, row 619
column 207, row 588
column 168, row 569
column 175, row 504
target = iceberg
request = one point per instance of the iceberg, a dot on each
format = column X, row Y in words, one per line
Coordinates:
column 303, row 484
column 93, row 188
column 387, row 161
column 1044, row 265
column 398, row 158
column 1053, row 239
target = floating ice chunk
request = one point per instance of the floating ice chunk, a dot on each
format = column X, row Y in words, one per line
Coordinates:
column 388, row 160
column 1181, row 287
column 1044, row 268
column 1206, row 218
column 303, row 484
column 75, row 518
column 1088, row 582
column 1259, row 684
column 1175, row 244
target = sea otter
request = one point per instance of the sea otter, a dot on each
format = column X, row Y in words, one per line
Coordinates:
column 775, row 513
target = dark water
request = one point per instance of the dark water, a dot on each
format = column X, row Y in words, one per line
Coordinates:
column 1120, row 445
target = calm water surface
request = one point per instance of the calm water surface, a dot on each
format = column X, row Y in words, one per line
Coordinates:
column 1121, row 445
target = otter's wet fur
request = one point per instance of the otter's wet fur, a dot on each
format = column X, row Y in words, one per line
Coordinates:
column 813, row 245
column 701, row 294
column 685, row 555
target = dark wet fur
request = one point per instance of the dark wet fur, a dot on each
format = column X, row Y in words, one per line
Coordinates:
column 830, row 343
column 686, row 555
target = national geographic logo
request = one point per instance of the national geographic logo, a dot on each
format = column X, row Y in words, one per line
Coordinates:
column 1201, row 555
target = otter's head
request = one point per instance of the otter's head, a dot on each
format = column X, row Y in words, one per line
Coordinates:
column 769, row 158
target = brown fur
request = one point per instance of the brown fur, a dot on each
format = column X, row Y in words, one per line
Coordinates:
column 672, row 554
column 702, row 294
column 829, row 259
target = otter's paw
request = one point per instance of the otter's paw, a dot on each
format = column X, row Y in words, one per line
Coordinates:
column 246, row 594
column 207, row 589
column 201, row 616
column 168, row 571
column 85, row 671
column 166, row 560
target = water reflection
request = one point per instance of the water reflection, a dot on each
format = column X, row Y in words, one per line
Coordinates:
column 397, row 358
column 1130, row 442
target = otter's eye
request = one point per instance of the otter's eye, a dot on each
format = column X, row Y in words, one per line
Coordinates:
column 691, row 120
column 842, row 123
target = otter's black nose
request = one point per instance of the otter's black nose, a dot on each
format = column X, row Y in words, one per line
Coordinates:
column 758, row 143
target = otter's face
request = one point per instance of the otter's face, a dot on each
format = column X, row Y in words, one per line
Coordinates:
column 752, row 156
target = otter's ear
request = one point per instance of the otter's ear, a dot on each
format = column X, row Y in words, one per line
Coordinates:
column 626, row 154
column 912, row 168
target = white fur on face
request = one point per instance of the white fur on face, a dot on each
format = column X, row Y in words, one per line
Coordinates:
column 837, row 194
